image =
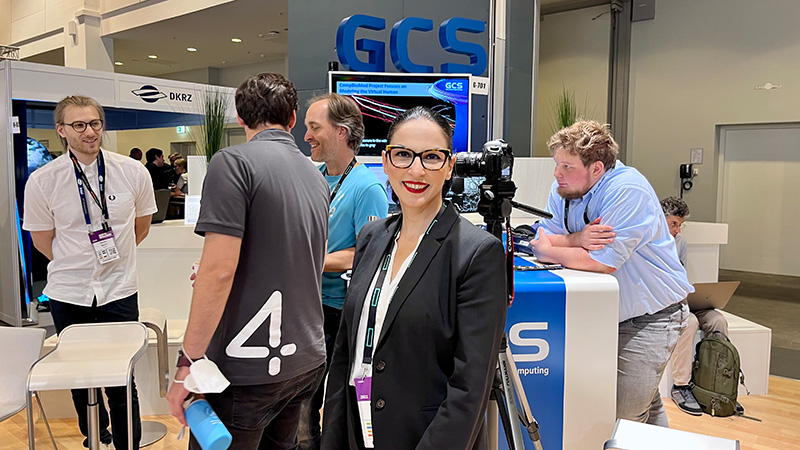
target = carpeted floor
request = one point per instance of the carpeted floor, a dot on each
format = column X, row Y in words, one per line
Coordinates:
column 772, row 301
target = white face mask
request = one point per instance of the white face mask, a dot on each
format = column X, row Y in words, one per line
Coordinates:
column 205, row 378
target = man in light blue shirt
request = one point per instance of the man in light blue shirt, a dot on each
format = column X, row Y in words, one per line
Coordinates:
column 608, row 219
column 335, row 129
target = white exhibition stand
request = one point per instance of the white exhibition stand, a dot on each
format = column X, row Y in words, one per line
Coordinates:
column 562, row 330
column 702, row 253
column 164, row 265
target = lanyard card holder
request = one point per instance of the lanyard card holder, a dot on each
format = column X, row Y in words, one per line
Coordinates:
column 105, row 248
column 363, row 387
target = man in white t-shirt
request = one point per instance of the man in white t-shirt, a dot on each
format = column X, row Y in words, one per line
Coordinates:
column 87, row 211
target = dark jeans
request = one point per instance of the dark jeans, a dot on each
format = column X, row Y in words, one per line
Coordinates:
column 264, row 416
column 123, row 310
column 310, row 431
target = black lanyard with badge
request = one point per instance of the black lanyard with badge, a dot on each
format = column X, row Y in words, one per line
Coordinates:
column 363, row 384
column 105, row 248
column 566, row 214
column 341, row 180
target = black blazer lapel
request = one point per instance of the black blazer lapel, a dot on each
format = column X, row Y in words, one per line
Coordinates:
column 367, row 266
column 418, row 266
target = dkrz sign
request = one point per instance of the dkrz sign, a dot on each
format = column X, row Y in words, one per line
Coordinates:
column 151, row 94
column 347, row 45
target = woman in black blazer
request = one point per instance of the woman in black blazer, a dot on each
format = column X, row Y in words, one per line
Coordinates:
column 424, row 312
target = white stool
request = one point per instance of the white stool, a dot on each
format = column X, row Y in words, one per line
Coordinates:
column 27, row 347
column 154, row 319
column 630, row 435
column 90, row 356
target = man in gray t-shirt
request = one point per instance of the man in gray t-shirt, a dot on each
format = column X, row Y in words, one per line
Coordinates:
column 256, row 308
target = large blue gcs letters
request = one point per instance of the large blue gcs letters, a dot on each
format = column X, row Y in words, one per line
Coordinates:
column 346, row 34
column 398, row 44
column 449, row 41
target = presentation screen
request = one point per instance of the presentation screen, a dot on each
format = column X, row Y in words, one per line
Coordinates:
column 384, row 96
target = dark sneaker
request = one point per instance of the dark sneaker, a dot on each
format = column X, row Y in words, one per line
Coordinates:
column 103, row 445
column 683, row 397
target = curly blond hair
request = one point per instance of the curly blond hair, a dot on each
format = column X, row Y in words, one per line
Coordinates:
column 588, row 139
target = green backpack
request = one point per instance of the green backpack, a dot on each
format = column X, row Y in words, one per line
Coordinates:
column 716, row 375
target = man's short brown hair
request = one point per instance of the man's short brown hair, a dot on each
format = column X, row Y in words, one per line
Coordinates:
column 588, row 139
column 266, row 98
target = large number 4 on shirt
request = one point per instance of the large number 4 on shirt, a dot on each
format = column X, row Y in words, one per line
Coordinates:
column 272, row 310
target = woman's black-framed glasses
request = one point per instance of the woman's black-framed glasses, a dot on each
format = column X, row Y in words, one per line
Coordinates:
column 80, row 127
column 431, row 159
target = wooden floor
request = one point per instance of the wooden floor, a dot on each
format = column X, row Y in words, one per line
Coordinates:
column 779, row 429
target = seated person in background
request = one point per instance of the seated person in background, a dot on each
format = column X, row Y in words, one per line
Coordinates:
column 169, row 169
column 182, row 185
column 676, row 211
column 155, row 165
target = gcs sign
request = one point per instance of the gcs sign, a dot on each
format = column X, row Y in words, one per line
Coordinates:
column 347, row 45
column 542, row 346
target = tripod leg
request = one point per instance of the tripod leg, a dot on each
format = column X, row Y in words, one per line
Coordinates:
column 500, row 399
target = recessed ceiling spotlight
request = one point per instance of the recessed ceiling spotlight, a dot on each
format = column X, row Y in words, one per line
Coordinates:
column 117, row 63
column 236, row 40
column 152, row 56
column 273, row 33
column 191, row 49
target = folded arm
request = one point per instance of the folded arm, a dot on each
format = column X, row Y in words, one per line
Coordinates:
column 572, row 257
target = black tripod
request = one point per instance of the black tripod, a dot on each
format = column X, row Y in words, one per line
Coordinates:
column 495, row 164
column 495, row 206
column 506, row 392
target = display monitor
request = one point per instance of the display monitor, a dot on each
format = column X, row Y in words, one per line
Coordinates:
column 384, row 96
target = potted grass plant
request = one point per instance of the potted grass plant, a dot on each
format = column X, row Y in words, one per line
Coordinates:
column 212, row 131
column 565, row 110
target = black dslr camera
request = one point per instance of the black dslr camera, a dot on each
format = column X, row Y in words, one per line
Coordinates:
column 495, row 163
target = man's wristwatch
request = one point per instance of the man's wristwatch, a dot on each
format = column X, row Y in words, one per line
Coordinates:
column 183, row 361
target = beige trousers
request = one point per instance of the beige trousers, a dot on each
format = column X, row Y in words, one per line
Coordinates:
column 708, row 320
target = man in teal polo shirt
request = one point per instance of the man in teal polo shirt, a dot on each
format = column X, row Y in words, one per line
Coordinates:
column 335, row 130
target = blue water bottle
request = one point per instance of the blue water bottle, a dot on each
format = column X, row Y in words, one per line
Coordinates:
column 206, row 427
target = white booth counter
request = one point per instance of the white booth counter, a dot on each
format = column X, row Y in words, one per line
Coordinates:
column 562, row 330
column 164, row 265
column 702, row 253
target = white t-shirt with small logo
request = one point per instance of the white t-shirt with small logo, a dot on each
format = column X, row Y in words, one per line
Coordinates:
column 52, row 201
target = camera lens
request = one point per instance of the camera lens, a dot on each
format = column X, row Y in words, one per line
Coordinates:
column 469, row 164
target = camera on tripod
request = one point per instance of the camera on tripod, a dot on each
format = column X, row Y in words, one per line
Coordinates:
column 495, row 163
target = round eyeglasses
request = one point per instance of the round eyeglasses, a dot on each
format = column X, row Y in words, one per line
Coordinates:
column 80, row 127
column 431, row 159
column 676, row 224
